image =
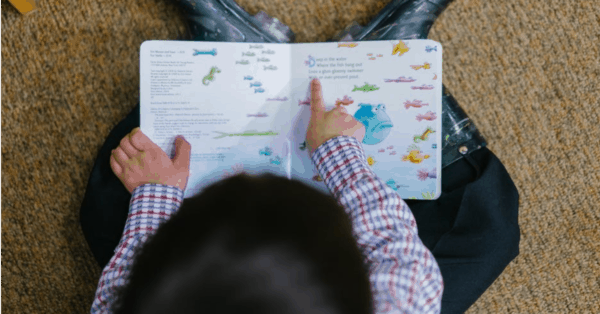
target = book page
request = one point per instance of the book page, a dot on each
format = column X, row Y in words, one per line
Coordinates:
column 229, row 100
column 395, row 89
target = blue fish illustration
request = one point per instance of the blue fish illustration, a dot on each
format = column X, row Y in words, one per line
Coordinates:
column 248, row 77
column 267, row 151
column 376, row 121
column 391, row 183
column 205, row 52
column 430, row 49
column 276, row 161
column 257, row 84
column 259, row 90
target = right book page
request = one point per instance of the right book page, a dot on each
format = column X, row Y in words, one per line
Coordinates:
column 395, row 89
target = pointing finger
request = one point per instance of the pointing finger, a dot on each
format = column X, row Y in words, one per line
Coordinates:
column 316, row 99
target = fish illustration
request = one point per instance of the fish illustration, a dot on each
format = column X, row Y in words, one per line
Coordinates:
column 425, row 87
column 247, row 133
column 349, row 45
column 248, row 77
column 270, row 67
column 365, row 88
column 379, row 55
column 435, row 77
column 369, row 54
column 425, row 66
column 304, row 102
column 371, row 161
column 400, row 79
column 372, row 58
column 345, row 101
column 430, row 49
column 210, row 76
column 378, row 124
column 391, row 183
column 256, row 46
column 257, row 115
column 317, row 178
column 242, row 62
column 310, row 62
column 400, row 48
column 303, row 145
column 434, row 146
column 390, row 147
column 256, row 84
column 381, row 151
column 205, row 52
column 423, row 174
column 276, row 161
column 263, row 60
column 393, row 153
column 424, row 136
column 249, row 54
column 267, row 151
column 259, row 90
column 430, row 116
column 415, row 103
column 415, row 155
column 268, row 51
column 278, row 99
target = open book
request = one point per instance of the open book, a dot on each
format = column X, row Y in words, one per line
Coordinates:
column 246, row 106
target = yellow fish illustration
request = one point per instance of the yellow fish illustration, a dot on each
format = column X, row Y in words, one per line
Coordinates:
column 349, row 45
column 400, row 48
column 425, row 66
column 371, row 161
column 415, row 156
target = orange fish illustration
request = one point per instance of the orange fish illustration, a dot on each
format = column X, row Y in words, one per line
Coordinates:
column 415, row 155
column 400, row 48
column 415, row 103
column 435, row 77
column 349, row 45
column 372, row 58
column 425, row 66
column 379, row 55
column 369, row 54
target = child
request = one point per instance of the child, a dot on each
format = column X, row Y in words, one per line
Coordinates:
column 266, row 244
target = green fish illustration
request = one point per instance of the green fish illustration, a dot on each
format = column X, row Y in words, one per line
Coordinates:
column 247, row 133
column 365, row 88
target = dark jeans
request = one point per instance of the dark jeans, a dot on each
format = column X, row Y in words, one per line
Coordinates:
column 472, row 229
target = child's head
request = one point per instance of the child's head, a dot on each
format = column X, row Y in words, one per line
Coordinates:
column 261, row 244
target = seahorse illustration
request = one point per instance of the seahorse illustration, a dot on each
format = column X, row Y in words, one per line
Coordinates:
column 211, row 75
column 424, row 136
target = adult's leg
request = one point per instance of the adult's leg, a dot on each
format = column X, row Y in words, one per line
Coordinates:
column 472, row 229
column 105, row 204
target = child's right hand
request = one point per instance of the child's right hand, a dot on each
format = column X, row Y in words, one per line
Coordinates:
column 325, row 125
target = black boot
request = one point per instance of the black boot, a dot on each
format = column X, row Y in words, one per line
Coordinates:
column 224, row 20
column 412, row 19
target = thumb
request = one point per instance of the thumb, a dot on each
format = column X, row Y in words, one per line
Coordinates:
column 183, row 151
column 317, row 106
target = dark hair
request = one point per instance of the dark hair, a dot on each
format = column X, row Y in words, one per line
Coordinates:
column 251, row 244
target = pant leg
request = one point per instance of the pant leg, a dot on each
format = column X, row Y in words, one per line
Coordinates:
column 105, row 204
column 472, row 229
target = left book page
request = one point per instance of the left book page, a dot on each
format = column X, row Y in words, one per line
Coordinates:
column 230, row 101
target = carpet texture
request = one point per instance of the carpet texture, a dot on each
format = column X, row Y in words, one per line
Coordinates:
column 526, row 71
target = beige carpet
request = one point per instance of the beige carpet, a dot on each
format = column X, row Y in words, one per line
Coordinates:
column 526, row 71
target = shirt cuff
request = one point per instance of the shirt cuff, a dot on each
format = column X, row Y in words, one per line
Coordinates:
column 340, row 161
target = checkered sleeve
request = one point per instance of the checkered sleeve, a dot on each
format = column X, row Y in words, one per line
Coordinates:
column 404, row 276
column 150, row 206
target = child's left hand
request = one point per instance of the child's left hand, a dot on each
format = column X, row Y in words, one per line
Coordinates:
column 138, row 161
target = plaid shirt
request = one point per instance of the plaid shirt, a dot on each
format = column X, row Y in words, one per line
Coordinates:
column 404, row 276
